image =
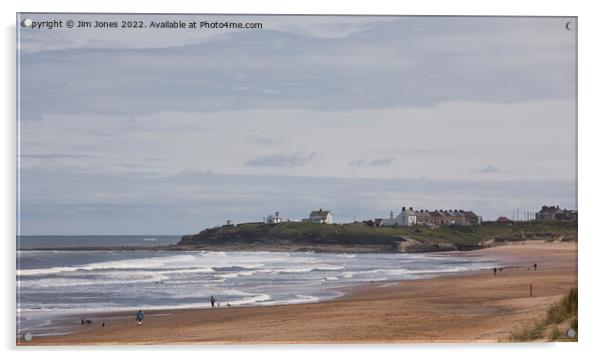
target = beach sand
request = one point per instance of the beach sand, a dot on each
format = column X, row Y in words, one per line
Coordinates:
column 473, row 307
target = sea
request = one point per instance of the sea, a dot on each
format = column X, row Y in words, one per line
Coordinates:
column 56, row 284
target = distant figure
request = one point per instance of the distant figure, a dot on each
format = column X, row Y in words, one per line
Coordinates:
column 212, row 302
column 103, row 325
column 228, row 305
column 88, row 321
column 140, row 316
column 494, row 271
column 534, row 266
column 83, row 322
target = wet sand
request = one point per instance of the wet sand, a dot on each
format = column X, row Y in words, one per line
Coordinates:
column 473, row 307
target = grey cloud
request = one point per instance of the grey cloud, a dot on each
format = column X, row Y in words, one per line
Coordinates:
column 264, row 140
column 439, row 59
column 487, row 169
column 360, row 162
column 55, row 156
column 456, row 81
column 281, row 160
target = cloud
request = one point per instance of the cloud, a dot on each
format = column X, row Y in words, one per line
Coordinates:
column 281, row 160
column 264, row 140
column 335, row 89
column 327, row 27
column 466, row 134
column 439, row 60
column 55, row 156
column 487, row 169
column 360, row 162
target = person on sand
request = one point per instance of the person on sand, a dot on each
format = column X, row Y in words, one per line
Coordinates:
column 212, row 302
column 140, row 316
column 534, row 266
column 494, row 271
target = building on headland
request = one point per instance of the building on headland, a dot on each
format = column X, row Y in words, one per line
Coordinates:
column 471, row 218
column 390, row 221
column 407, row 217
column 554, row 213
column 410, row 217
column 320, row 216
column 273, row 218
column 456, row 216
column 503, row 220
column 422, row 217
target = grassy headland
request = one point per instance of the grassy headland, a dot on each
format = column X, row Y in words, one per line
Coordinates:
column 359, row 237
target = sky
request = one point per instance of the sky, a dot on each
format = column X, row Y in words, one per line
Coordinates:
column 162, row 131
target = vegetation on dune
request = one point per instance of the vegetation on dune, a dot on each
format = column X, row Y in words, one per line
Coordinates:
column 561, row 315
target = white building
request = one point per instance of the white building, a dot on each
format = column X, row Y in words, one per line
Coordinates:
column 407, row 217
column 273, row 218
column 320, row 217
column 391, row 220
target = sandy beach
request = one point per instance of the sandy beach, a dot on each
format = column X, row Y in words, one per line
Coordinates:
column 472, row 307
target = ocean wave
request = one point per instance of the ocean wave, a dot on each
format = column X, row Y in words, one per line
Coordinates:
column 310, row 269
column 45, row 271
column 237, row 267
column 237, row 274
column 74, row 283
column 297, row 299
column 161, row 262
column 251, row 300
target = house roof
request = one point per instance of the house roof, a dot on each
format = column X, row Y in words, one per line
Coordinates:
column 321, row 214
column 549, row 210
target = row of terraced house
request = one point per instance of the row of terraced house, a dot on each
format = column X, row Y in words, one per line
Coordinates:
column 409, row 217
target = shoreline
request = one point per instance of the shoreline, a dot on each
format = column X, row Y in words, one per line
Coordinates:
column 416, row 310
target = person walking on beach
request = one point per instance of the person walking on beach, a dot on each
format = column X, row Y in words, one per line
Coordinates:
column 140, row 316
column 494, row 271
column 534, row 266
column 212, row 302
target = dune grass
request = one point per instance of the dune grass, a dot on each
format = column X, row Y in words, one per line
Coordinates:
column 549, row 328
